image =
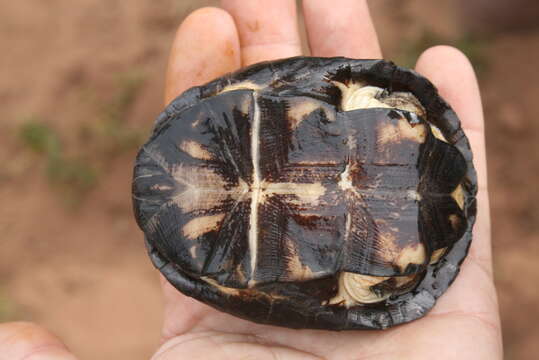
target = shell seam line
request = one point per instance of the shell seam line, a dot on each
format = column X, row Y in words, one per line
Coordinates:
column 255, row 154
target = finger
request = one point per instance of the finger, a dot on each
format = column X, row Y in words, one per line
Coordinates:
column 20, row 340
column 182, row 313
column 341, row 28
column 453, row 74
column 472, row 295
column 206, row 46
column 268, row 29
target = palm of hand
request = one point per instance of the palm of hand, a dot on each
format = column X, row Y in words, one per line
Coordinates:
column 464, row 323
column 454, row 329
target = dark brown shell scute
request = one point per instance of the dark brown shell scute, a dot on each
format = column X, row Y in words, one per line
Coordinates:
column 337, row 192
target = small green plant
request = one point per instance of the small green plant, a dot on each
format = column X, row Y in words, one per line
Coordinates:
column 103, row 138
column 39, row 137
column 72, row 175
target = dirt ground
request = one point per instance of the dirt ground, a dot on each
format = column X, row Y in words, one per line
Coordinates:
column 80, row 83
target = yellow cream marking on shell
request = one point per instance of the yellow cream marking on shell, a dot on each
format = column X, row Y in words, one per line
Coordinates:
column 193, row 251
column 223, row 289
column 437, row 255
column 392, row 253
column 309, row 193
column 200, row 225
column 255, row 187
column 195, row 150
column 204, row 189
column 356, row 96
column 303, row 107
column 245, row 106
column 412, row 254
column 143, row 176
column 356, row 289
column 387, row 245
column 345, row 182
column 244, row 85
column 347, row 227
column 161, row 187
column 249, row 293
column 413, row 195
column 404, row 101
column 458, row 195
column 416, row 133
column 388, row 133
column 299, row 271
column 437, row 133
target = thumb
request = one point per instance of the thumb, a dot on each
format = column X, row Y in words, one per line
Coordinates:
column 28, row 341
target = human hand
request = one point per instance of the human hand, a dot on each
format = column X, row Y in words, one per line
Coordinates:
column 464, row 324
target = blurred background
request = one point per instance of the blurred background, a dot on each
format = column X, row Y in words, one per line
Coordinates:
column 80, row 84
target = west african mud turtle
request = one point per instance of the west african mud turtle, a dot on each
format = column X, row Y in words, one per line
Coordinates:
column 322, row 193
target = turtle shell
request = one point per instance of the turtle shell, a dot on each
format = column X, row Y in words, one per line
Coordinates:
column 325, row 193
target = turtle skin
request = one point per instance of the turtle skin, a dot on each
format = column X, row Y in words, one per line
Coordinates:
column 258, row 189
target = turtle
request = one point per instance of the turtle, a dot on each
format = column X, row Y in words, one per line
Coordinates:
column 308, row 192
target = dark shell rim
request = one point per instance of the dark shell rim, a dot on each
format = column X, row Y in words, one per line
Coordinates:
column 397, row 310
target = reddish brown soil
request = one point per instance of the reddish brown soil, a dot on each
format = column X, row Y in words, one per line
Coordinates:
column 510, row 96
column 82, row 270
